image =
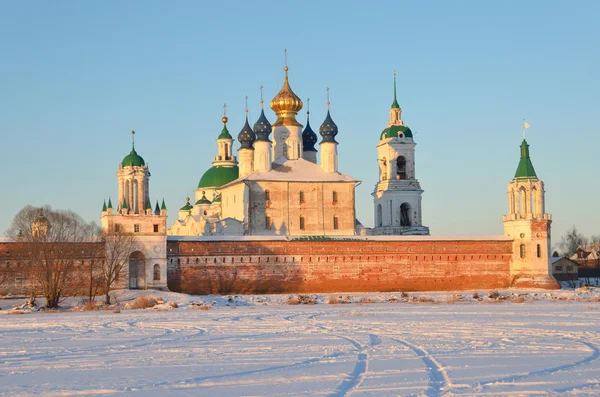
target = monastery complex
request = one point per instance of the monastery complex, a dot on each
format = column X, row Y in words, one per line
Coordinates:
column 276, row 215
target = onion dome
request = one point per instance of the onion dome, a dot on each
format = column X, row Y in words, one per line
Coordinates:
column 41, row 219
column 187, row 206
column 262, row 127
column 133, row 159
column 395, row 131
column 525, row 168
column 218, row 176
column 328, row 129
column 203, row 200
column 309, row 138
column 246, row 137
column 225, row 132
column 286, row 104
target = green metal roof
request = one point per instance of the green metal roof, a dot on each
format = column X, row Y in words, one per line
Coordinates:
column 218, row 176
column 525, row 169
column 217, row 199
column 109, row 203
column 187, row 206
column 104, row 206
column 225, row 133
column 124, row 206
column 395, row 104
column 163, row 206
column 133, row 159
column 203, row 200
column 394, row 130
column 148, row 205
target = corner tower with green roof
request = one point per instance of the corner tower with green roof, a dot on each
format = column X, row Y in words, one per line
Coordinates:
column 528, row 225
column 147, row 266
column 397, row 195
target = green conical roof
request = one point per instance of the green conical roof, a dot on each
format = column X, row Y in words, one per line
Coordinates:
column 104, row 206
column 109, row 203
column 525, row 169
column 225, row 133
column 124, row 204
column 157, row 209
column 163, row 206
column 395, row 104
column 148, row 205
column 218, row 176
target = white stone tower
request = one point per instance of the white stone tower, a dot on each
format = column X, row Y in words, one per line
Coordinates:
column 328, row 145
column 147, row 267
column 287, row 132
column 528, row 224
column 262, row 145
column 309, row 138
column 246, row 138
column 397, row 195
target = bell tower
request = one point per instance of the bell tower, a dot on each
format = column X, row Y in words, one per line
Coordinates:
column 147, row 266
column 397, row 195
column 528, row 224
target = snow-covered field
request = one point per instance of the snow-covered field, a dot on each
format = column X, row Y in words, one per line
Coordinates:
column 260, row 346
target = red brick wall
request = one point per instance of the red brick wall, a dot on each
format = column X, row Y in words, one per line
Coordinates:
column 202, row 267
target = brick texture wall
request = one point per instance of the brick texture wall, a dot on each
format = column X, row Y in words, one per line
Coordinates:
column 203, row 267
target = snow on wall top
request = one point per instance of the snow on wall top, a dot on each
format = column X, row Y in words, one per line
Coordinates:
column 339, row 238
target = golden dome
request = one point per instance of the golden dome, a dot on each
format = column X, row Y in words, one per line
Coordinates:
column 286, row 104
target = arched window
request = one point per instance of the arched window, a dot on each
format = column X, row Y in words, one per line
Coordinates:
column 539, row 251
column 226, row 151
column 533, row 200
column 301, row 197
column 379, row 216
column 522, row 251
column 267, row 195
column 334, row 197
column 301, row 223
column 405, row 214
column 268, row 223
column 383, row 169
column 400, row 167
column 522, row 202
column 157, row 272
column 336, row 223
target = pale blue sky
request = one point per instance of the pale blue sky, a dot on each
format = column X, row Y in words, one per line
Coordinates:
column 76, row 77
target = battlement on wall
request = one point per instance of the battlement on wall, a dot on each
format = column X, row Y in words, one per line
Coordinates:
column 382, row 263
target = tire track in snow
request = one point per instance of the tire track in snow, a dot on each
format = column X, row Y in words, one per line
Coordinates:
column 361, row 367
column 548, row 371
column 438, row 377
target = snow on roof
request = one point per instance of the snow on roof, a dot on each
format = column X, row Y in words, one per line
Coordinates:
column 295, row 171
column 339, row 238
column 6, row 240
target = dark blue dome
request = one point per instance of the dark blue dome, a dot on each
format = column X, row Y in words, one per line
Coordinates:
column 262, row 128
column 328, row 129
column 246, row 137
column 309, row 138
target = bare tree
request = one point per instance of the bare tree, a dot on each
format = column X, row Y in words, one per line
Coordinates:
column 118, row 247
column 51, row 238
column 571, row 241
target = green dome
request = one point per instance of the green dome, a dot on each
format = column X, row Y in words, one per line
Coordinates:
column 394, row 130
column 203, row 200
column 225, row 133
column 133, row 159
column 218, row 176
